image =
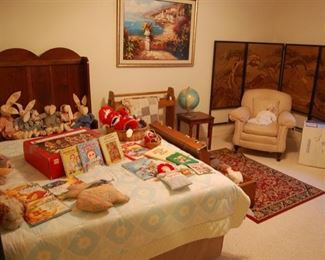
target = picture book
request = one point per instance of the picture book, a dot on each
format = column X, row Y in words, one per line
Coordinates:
column 160, row 152
column 55, row 143
column 185, row 170
column 60, row 186
column 144, row 168
column 90, row 154
column 111, row 148
column 201, row 168
column 134, row 150
column 43, row 209
column 180, row 158
column 71, row 160
column 40, row 204
column 28, row 192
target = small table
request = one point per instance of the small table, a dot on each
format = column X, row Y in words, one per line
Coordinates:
column 196, row 118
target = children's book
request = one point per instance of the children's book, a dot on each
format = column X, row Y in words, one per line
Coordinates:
column 71, row 160
column 111, row 148
column 201, row 168
column 133, row 150
column 28, row 192
column 160, row 152
column 144, row 168
column 40, row 204
column 90, row 154
column 180, row 158
column 185, row 170
column 43, row 209
column 60, row 186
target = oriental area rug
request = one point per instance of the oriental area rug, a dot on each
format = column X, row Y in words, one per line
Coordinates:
column 276, row 192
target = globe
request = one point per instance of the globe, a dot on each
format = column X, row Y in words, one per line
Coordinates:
column 188, row 99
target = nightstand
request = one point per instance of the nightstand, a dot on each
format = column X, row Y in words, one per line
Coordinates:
column 196, row 119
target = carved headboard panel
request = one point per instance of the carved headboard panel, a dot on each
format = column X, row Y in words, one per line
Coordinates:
column 50, row 78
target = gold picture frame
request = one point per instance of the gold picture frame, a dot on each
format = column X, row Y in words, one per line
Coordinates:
column 153, row 33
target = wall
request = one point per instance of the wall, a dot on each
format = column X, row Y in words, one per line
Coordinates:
column 89, row 28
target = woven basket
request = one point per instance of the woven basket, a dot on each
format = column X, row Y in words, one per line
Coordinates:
column 138, row 134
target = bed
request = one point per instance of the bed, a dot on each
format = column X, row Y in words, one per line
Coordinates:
column 154, row 224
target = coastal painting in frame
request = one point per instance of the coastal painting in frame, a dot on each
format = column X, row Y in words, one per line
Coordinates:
column 156, row 33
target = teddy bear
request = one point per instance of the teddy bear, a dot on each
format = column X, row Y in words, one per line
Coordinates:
column 5, row 168
column 11, row 212
column 95, row 197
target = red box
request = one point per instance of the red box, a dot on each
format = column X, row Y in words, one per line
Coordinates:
column 43, row 153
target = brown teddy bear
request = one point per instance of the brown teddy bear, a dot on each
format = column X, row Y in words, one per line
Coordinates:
column 11, row 212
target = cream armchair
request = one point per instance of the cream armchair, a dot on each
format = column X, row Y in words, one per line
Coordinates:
column 257, row 136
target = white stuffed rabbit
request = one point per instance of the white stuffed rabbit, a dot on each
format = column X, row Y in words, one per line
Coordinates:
column 24, row 122
column 82, row 117
column 7, row 129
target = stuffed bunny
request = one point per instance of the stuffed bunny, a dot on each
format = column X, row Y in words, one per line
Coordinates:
column 5, row 168
column 66, row 117
column 11, row 212
column 23, row 122
column 7, row 128
column 82, row 117
column 52, row 119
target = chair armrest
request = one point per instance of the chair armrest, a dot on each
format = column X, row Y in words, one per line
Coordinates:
column 287, row 119
column 240, row 113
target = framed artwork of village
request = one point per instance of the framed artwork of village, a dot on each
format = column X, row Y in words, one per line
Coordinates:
column 155, row 33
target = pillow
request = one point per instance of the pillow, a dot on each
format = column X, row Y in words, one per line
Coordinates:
column 144, row 108
column 270, row 104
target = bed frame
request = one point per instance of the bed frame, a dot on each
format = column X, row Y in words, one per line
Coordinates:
column 50, row 78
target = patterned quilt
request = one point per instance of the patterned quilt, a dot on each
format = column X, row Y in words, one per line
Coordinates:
column 154, row 221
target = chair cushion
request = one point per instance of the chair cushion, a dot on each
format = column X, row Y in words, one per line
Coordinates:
column 265, row 130
column 265, row 103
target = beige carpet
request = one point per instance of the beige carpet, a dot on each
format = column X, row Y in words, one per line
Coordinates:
column 297, row 234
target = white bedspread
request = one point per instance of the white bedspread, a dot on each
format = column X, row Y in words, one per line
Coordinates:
column 154, row 221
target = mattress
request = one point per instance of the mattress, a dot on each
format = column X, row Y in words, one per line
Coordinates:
column 154, row 221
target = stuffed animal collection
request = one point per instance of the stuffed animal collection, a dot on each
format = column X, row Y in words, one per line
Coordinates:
column 11, row 210
column 17, row 122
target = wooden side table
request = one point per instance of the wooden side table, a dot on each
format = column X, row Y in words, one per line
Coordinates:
column 196, row 118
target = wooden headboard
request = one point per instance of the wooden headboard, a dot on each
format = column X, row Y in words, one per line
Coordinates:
column 50, row 78
column 166, row 101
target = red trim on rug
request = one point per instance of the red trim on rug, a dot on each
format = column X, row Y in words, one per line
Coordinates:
column 284, row 210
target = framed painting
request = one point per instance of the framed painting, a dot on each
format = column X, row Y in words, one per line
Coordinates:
column 318, row 109
column 227, row 74
column 299, row 74
column 263, row 65
column 156, row 33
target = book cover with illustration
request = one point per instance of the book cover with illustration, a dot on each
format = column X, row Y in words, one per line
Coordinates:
column 160, row 152
column 44, row 209
column 133, row 150
column 201, row 168
column 90, row 154
column 185, row 170
column 60, row 186
column 111, row 148
column 54, row 144
column 144, row 168
column 180, row 158
column 28, row 192
column 71, row 160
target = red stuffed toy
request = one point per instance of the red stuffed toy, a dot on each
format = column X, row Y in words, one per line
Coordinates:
column 120, row 120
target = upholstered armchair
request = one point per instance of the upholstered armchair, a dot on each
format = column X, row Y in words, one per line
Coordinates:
column 254, row 134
